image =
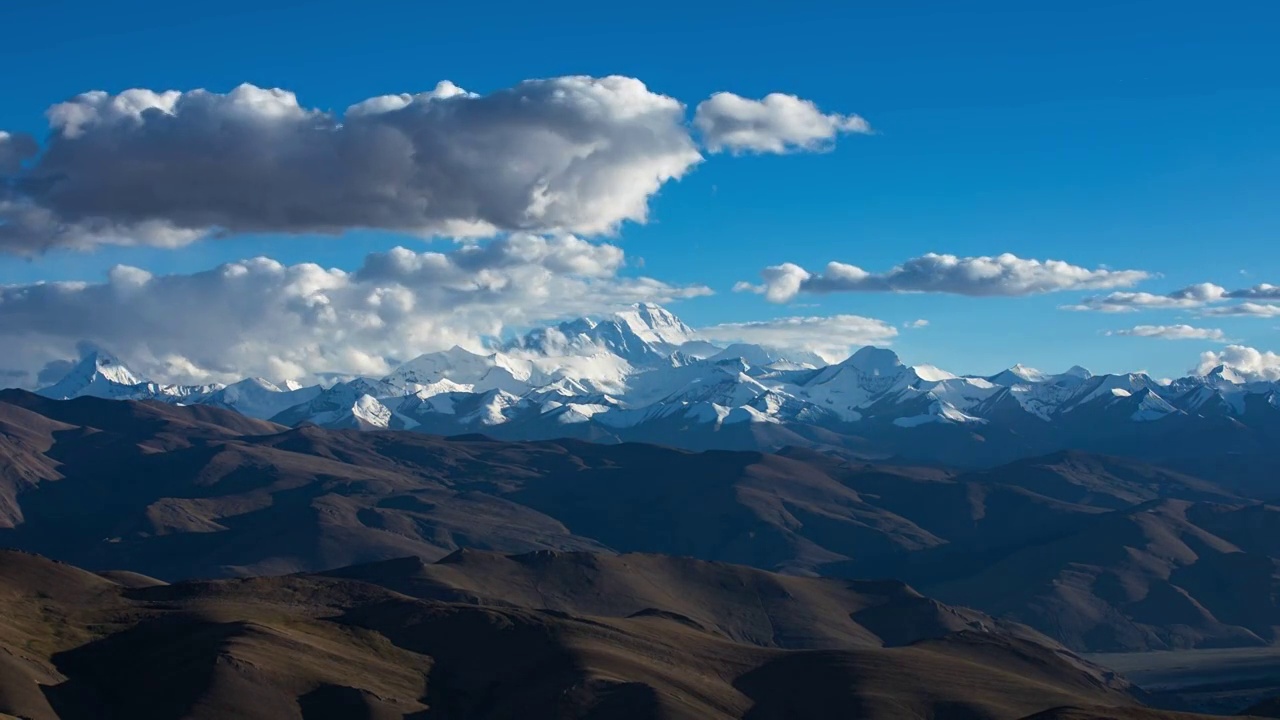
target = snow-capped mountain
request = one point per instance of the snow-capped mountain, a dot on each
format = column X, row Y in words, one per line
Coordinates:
column 642, row 374
column 259, row 398
column 643, row 334
column 460, row 369
column 763, row 358
column 100, row 374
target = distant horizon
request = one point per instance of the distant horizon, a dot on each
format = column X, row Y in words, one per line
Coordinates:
column 510, row 347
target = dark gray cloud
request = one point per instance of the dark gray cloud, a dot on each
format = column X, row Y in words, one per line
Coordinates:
column 53, row 371
column 14, row 150
column 575, row 154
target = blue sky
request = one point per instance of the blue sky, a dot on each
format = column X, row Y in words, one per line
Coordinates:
column 1130, row 135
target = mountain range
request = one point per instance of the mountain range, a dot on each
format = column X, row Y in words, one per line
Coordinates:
column 1101, row 553
column 478, row 635
column 644, row 375
column 618, row 518
column 420, row 576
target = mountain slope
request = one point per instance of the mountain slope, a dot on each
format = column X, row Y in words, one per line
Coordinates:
column 1069, row 544
column 1149, row 577
column 740, row 603
column 182, row 493
column 312, row 647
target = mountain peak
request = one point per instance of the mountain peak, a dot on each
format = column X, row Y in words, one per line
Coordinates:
column 109, row 366
column 765, row 356
column 1026, row 373
column 1079, row 372
column 655, row 324
column 97, row 372
column 1224, row 374
column 256, row 383
column 875, row 361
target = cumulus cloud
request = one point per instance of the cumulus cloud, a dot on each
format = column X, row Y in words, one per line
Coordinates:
column 1206, row 298
column 777, row 124
column 261, row 317
column 921, row 323
column 830, row 337
column 1172, row 332
column 1002, row 275
column 1263, row 291
column 1246, row 309
column 1250, row 364
column 1191, row 296
column 572, row 154
column 14, row 149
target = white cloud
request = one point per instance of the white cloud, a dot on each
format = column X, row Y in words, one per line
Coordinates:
column 921, row 323
column 1193, row 297
column 1263, row 291
column 1247, row 309
column 830, row 337
column 1003, row 275
column 1172, row 332
column 781, row 282
column 777, row 124
column 261, row 317
column 574, row 154
column 1249, row 363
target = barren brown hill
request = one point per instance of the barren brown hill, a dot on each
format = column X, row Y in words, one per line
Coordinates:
column 1150, row 577
column 1100, row 481
column 172, row 492
column 75, row 646
column 147, row 488
column 739, row 603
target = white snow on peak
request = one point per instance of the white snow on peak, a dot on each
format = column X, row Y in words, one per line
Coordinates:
column 1029, row 374
column 644, row 365
column 1151, row 407
column 259, row 383
column 496, row 371
column 932, row 374
column 1078, row 372
column 1111, row 386
column 655, row 324
column 938, row 412
column 96, row 374
column 747, row 414
column 574, row 413
column 1223, row 375
column 491, row 410
column 259, row 398
column 368, row 409
column 761, row 356
column 875, row 361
